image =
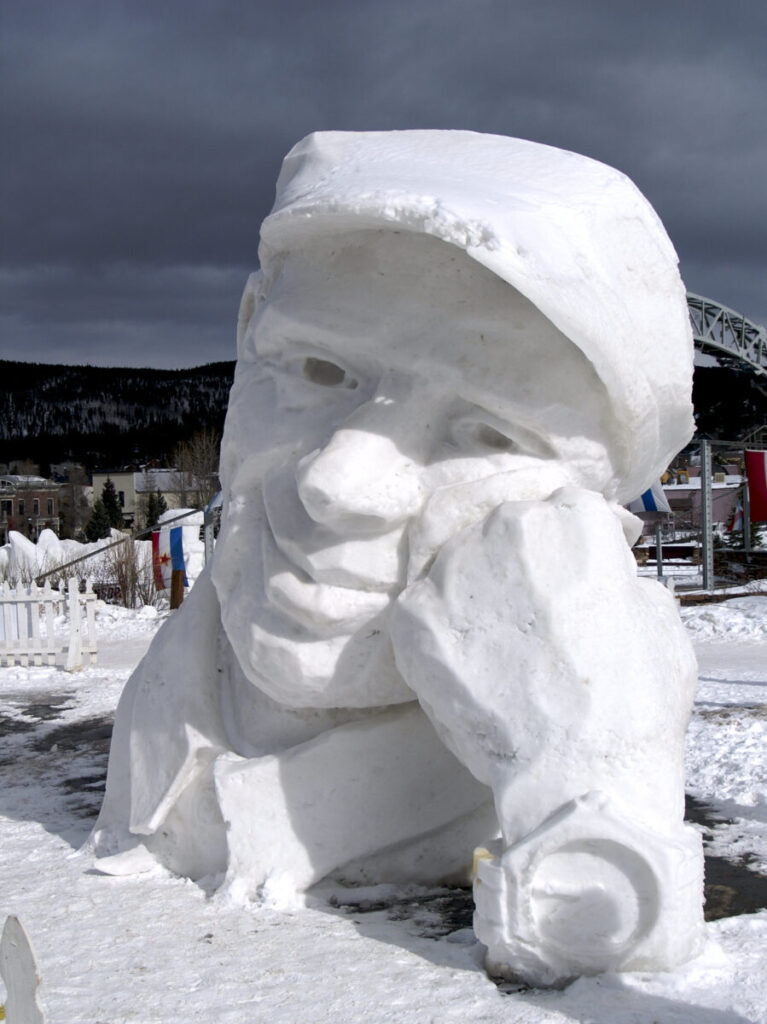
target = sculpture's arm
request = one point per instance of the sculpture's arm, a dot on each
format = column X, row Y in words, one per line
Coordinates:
column 553, row 672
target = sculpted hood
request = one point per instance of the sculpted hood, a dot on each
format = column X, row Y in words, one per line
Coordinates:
column 574, row 236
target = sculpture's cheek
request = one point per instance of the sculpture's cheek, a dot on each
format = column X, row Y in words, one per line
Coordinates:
column 302, row 643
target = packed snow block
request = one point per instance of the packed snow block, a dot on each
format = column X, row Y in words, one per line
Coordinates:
column 460, row 354
column 295, row 817
column 588, row 891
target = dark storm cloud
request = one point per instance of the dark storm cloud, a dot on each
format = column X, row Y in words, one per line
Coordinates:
column 142, row 140
column 178, row 315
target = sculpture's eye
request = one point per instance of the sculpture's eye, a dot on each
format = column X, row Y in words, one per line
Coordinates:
column 327, row 374
column 475, row 434
column 492, row 438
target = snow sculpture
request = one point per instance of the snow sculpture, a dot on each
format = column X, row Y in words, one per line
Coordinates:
column 423, row 619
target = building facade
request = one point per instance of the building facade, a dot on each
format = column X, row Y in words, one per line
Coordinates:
column 29, row 505
column 134, row 488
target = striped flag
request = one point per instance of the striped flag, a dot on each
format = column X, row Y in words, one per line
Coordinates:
column 756, row 472
column 653, row 500
column 167, row 555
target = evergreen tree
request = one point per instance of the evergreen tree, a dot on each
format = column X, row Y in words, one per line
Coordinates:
column 155, row 506
column 162, row 505
column 150, row 510
column 98, row 525
column 111, row 503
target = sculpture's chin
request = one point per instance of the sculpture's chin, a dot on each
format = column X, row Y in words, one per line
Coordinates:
column 303, row 671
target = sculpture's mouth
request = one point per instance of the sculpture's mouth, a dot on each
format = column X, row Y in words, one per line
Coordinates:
column 319, row 607
column 325, row 582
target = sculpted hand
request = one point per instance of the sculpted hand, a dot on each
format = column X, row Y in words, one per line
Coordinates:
column 546, row 665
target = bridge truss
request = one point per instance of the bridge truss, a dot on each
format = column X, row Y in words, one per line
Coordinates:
column 728, row 335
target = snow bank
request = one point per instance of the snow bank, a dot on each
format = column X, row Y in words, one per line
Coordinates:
column 742, row 618
column 25, row 559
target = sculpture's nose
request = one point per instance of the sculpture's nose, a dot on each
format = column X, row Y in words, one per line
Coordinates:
column 362, row 480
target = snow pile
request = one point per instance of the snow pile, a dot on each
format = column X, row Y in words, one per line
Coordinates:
column 120, row 623
column 742, row 618
column 25, row 559
column 22, row 559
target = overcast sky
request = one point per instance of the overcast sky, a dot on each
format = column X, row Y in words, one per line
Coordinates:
column 141, row 140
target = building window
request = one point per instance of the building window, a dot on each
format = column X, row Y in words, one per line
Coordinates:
column 121, row 497
column 50, row 506
column 6, row 506
column 36, row 506
column 22, row 508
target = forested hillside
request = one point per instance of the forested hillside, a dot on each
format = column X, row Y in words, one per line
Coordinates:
column 105, row 416
column 727, row 403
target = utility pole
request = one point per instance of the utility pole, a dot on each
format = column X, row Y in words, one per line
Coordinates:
column 706, row 512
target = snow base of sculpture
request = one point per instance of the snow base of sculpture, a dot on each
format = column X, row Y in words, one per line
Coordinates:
column 589, row 891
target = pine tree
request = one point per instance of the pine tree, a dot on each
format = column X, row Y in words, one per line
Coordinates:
column 98, row 525
column 112, row 504
column 155, row 506
column 162, row 505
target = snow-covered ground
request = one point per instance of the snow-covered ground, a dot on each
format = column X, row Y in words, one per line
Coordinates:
column 155, row 948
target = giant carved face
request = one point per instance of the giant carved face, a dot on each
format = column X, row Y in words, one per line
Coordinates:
column 388, row 391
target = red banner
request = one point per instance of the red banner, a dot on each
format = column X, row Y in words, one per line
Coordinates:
column 756, row 471
column 159, row 582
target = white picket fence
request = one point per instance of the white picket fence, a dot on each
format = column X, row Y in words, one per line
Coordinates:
column 24, row 610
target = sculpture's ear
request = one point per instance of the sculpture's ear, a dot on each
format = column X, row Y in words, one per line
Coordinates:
column 251, row 297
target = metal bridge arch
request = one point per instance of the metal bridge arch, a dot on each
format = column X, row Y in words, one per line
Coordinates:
column 723, row 332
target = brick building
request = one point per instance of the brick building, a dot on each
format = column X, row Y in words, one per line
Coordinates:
column 28, row 504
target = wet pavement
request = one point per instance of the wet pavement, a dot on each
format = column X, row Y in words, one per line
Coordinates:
column 731, row 887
